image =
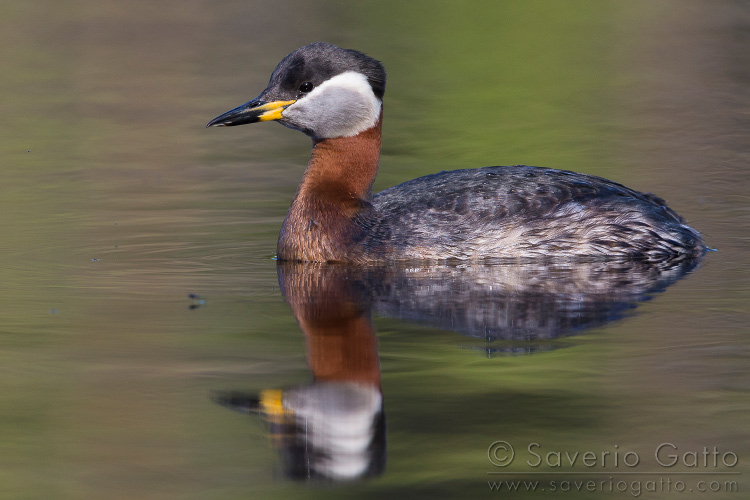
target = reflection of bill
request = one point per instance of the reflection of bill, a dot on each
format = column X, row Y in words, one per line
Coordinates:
column 329, row 431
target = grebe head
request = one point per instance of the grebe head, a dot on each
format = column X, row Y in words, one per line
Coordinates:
column 320, row 89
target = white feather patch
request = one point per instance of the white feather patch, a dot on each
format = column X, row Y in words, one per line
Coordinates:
column 343, row 106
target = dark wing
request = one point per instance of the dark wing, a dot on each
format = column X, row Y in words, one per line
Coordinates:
column 539, row 204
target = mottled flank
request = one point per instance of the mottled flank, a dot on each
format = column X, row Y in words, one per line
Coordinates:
column 528, row 212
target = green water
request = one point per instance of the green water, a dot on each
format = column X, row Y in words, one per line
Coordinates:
column 116, row 204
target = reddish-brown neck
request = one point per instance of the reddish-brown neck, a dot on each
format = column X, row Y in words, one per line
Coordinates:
column 321, row 224
column 343, row 167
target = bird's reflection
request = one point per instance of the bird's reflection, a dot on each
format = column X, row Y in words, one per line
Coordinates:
column 334, row 428
column 528, row 302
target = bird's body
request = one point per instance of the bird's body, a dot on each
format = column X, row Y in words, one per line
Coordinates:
column 335, row 96
column 531, row 212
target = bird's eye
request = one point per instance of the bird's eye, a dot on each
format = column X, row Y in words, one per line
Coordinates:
column 306, row 87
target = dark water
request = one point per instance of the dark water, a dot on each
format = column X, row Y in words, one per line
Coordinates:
column 117, row 205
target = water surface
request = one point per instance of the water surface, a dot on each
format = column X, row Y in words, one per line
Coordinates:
column 117, row 204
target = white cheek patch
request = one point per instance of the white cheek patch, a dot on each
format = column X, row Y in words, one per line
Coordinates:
column 343, row 106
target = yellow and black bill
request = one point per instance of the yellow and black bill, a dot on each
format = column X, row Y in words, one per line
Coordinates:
column 257, row 110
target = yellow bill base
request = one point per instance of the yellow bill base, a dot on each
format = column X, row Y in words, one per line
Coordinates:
column 273, row 110
column 272, row 402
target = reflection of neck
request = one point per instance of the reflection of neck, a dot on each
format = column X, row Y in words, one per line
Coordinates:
column 341, row 341
column 335, row 187
column 342, row 348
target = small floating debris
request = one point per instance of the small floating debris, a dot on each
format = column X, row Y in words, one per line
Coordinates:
column 197, row 301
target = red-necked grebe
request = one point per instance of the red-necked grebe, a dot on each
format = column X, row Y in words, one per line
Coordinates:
column 335, row 96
